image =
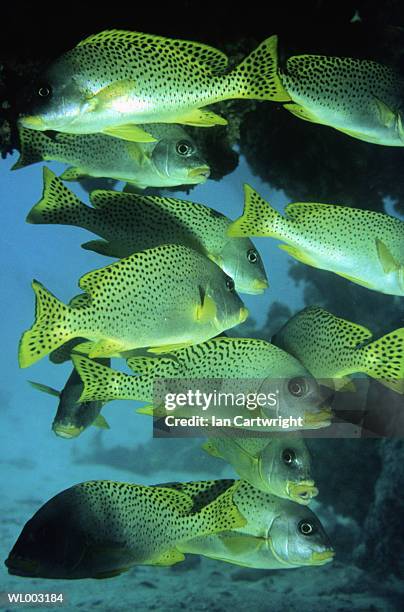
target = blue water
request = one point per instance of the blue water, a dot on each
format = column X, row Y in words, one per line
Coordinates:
column 36, row 464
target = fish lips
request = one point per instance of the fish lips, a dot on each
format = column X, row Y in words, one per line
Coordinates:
column 200, row 174
column 319, row 419
column 67, row 431
column 301, row 492
column 258, row 286
column 321, row 558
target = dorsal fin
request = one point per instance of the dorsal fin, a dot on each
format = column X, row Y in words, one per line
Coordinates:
column 202, row 492
column 350, row 334
column 101, row 198
column 194, row 52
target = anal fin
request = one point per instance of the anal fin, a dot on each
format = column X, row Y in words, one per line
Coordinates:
column 101, row 422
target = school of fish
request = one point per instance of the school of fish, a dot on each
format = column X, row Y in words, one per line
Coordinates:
column 117, row 106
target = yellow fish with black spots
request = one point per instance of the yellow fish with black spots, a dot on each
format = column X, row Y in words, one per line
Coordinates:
column 172, row 159
column 257, row 366
column 279, row 534
column 101, row 528
column 276, row 465
column 114, row 80
column 130, row 222
column 361, row 98
column 364, row 246
column 168, row 295
column 332, row 348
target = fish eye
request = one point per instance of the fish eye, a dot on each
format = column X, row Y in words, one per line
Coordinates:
column 44, row 91
column 230, row 286
column 184, row 148
column 288, row 456
column 307, row 528
column 298, row 387
column 252, row 256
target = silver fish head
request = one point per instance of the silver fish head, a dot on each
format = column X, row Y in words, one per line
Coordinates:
column 299, row 396
column 296, row 537
column 241, row 260
column 284, row 467
column 55, row 100
column 229, row 307
column 178, row 160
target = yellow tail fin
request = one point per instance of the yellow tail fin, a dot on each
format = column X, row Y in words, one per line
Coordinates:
column 50, row 330
column 257, row 76
column 383, row 360
column 258, row 218
column 58, row 204
column 104, row 384
column 33, row 145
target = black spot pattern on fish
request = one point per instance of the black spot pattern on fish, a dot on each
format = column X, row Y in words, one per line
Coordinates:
column 216, row 358
column 134, row 303
column 329, row 346
column 342, row 84
column 178, row 76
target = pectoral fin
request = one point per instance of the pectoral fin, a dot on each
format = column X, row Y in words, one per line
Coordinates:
column 242, row 544
column 148, row 410
column 101, row 422
column 44, row 388
column 344, row 384
column 210, row 448
column 205, row 311
column 389, row 264
column 108, row 95
column 387, row 115
column 130, row 132
column 137, row 153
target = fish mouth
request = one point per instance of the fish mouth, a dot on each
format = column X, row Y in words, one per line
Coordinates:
column 201, row 172
column 22, row 567
column 33, row 122
column 244, row 312
column 67, row 431
column 320, row 558
column 257, row 286
column 315, row 420
column 301, row 492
